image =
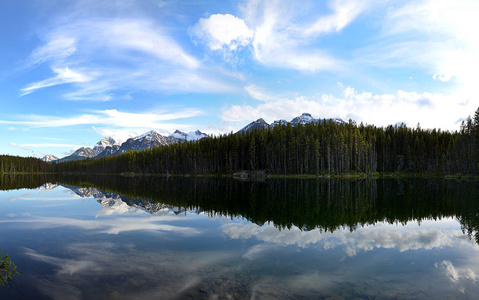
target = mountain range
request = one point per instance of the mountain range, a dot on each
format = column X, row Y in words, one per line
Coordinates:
column 110, row 146
column 303, row 119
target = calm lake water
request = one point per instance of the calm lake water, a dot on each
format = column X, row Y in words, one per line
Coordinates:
column 182, row 238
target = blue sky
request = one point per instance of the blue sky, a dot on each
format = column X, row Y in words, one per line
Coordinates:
column 72, row 72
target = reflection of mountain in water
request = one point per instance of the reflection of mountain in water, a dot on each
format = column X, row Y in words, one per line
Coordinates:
column 328, row 205
column 118, row 203
column 308, row 204
column 50, row 186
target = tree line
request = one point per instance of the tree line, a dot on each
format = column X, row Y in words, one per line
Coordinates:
column 17, row 165
column 315, row 149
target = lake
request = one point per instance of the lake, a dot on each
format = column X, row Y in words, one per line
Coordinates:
column 206, row 238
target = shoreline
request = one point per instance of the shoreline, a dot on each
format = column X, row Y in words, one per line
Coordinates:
column 244, row 175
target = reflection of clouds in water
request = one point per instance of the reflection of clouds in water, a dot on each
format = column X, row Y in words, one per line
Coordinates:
column 369, row 238
column 67, row 266
column 48, row 198
column 110, row 226
column 257, row 250
column 457, row 275
column 128, row 272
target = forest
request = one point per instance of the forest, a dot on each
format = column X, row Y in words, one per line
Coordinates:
column 18, row 165
column 326, row 148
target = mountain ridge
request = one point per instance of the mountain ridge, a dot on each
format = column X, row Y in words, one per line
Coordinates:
column 303, row 119
column 109, row 146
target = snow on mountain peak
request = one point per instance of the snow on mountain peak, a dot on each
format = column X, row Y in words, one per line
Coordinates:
column 49, row 158
column 190, row 136
column 303, row 119
column 105, row 142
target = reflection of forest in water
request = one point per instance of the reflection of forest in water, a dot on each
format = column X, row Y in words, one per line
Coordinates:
column 305, row 203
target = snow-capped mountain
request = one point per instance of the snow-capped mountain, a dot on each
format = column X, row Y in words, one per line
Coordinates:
column 146, row 141
column 278, row 122
column 258, row 124
column 303, row 119
column 49, row 158
column 109, row 150
column 190, row 136
column 105, row 142
column 109, row 146
column 82, row 153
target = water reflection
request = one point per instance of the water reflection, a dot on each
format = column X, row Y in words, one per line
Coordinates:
column 178, row 238
column 363, row 239
column 306, row 204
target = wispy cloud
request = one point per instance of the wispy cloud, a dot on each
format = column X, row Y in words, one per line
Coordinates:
column 57, row 48
column 47, row 145
column 343, row 12
column 437, row 37
column 260, row 93
column 111, row 122
column 64, row 75
column 110, row 226
column 111, row 117
column 284, row 40
column 106, row 56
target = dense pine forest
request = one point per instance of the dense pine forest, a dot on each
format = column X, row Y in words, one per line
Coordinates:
column 17, row 165
column 311, row 149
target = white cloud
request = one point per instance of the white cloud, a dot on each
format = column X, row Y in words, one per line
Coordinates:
column 286, row 35
column 56, row 48
column 110, row 117
column 64, row 75
column 438, row 37
column 145, row 37
column 428, row 109
column 442, row 77
column 343, row 13
column 220, row 31
column 47, row 145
